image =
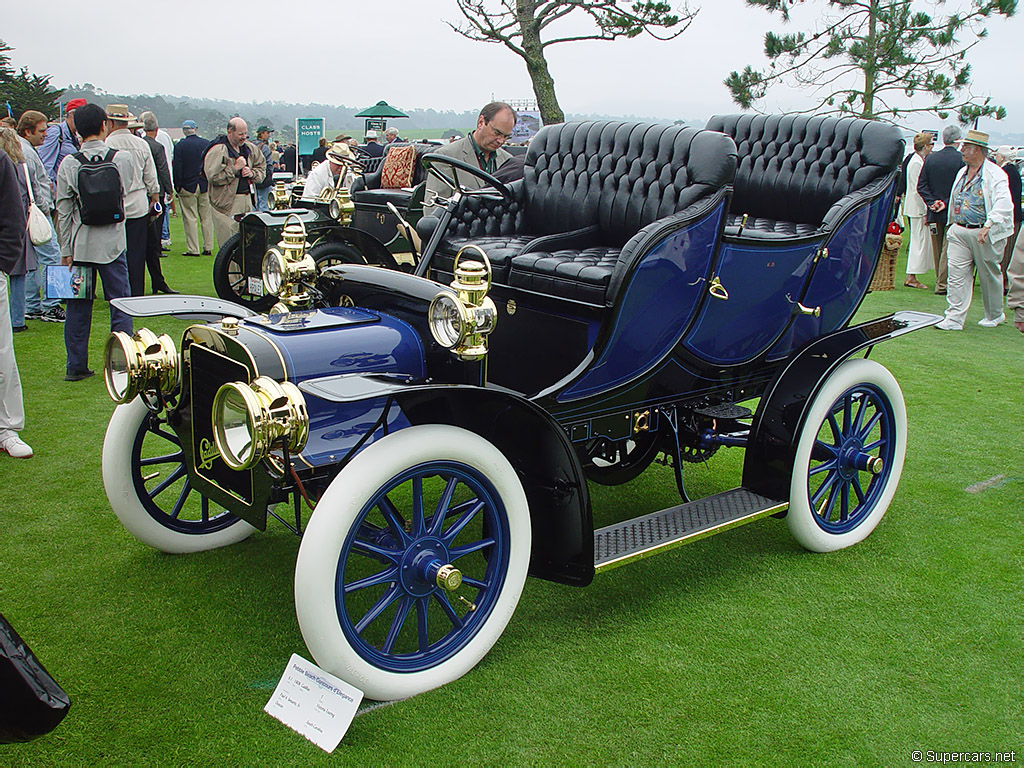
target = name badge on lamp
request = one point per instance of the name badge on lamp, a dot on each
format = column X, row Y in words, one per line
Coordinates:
column 314, row 703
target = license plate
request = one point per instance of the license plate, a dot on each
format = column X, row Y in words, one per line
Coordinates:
column 255, row 286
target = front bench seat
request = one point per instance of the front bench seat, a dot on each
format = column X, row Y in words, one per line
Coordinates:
column 588, row 189
column 799, row 175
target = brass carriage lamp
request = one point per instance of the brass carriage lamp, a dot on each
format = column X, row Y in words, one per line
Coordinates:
column 287, row 268
column 140, row 363
column 462, row 321
column 280, row 197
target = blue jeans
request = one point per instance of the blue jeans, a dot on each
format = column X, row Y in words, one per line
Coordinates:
column 165, row 233
column 47, row 254
column 16, row 288
column 262, row 196
column 79, row 313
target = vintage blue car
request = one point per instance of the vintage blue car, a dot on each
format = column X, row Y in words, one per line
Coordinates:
column 622, row 300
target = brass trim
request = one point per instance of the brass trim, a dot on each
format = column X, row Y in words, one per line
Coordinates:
column 697, row 536
column 717, row 290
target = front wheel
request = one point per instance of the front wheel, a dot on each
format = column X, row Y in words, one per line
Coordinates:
column 149, row 490
column 370, row 602
column 230, row 280
column 849, row 457
column 330, row 254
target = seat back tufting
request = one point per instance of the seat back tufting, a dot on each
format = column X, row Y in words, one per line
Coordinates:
column 795, row 167
column 619, row 176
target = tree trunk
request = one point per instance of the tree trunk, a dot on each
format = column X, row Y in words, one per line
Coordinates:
column 871, row 62
column 537, row 65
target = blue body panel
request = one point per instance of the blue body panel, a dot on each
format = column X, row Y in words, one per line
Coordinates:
column 840, row 281
column 655, row 308
column 340, row 340
column 764, row 282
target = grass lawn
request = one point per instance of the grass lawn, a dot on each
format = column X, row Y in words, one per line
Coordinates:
column 739, row 649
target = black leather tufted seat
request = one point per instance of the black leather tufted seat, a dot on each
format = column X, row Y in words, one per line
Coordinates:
column 591, row 196
column 799, row 175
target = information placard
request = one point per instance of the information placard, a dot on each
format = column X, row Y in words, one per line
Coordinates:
column 314, row 703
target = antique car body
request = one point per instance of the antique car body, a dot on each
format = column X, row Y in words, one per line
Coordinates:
column 444, row 430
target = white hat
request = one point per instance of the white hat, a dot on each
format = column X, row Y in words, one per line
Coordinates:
column 1006, row 151
column 371, row 134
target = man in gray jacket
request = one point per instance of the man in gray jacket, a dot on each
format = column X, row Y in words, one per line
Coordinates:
column 481, row 148
column 100, row 248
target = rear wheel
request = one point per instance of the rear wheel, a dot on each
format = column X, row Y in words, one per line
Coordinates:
column 371, row 596
column 849, row 457
column 148, row 487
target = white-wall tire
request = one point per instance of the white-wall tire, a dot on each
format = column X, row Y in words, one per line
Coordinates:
column 858, row 416
column 198, row 525
column 348, row 516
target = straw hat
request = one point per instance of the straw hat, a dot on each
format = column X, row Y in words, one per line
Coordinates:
column 339, row 151
column 978, row 138
column 120, row 113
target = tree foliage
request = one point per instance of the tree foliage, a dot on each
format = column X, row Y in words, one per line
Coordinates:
column 878, row 59
column 21, row 90
column 525, row 28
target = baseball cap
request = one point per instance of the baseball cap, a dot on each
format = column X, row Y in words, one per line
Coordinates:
column 189, row 124
column 263, row 128
column 75, row 104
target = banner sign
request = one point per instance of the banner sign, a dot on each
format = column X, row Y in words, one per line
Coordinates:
column 527, row 124
column 308, row 132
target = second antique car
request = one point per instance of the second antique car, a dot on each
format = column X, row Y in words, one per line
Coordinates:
column 431, row 436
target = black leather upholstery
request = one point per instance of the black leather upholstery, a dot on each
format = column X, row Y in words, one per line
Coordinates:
column 587, row 189
column 794, row 169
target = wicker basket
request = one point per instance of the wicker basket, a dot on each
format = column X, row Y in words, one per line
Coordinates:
column 884, row 278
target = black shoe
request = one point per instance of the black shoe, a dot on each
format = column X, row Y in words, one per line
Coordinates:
column 78, row 375
column 207, row 253
column 186, row 253
column 19, row 328
column 164, row 289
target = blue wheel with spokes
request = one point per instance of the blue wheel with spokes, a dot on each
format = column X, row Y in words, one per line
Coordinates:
column 849, row 457
column 413, row 561
column 149, row 489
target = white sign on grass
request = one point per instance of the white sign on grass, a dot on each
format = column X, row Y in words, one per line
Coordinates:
column 314, row 703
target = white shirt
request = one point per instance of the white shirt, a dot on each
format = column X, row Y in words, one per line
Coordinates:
column 998, row 204
column 165, row 141
column 319, row 179
column 143, row 182
column 913, row 203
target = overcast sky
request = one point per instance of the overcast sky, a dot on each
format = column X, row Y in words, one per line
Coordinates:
column 355, row 54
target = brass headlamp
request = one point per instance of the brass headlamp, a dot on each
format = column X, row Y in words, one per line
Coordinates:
column 139, row 363
column 463, row 321
column 287, row 267
column 250, row 420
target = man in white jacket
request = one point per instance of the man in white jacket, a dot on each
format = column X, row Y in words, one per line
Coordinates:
column 980, row 220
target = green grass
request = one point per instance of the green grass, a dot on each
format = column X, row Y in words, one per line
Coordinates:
column 739, row 649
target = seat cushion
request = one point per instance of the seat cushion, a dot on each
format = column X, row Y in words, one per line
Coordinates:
column 579, row 275
column 767, row 229
column 397, row 170
column 398, row 197
column 500, row 251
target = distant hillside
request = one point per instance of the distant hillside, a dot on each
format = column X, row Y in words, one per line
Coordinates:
column 212, row 114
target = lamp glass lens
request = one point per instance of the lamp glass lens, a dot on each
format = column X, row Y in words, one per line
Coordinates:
column 235, row 426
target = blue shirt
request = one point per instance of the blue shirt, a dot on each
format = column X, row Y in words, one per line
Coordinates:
column 60, row 142
column 969, row 201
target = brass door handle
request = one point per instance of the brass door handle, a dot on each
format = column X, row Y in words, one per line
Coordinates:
column 716, row 289
column 802, row 310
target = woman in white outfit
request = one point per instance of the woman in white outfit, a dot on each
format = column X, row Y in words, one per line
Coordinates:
column 919, row 254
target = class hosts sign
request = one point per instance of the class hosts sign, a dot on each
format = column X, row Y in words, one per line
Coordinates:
column 308, row 132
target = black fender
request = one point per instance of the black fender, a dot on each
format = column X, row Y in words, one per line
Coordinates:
column 533, row 442
column 782, row 411
column 372, row 249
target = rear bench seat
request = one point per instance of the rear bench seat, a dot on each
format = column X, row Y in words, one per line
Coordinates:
column 591, row 196
column 798, row 176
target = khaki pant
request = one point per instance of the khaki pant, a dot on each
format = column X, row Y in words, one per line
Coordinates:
column 196, row 213
column 225, row 224
column 939, row 246
column 965, row 255
column 1015, row 276
column 1008, row 253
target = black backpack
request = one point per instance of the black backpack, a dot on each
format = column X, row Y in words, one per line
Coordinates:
column 100, row 199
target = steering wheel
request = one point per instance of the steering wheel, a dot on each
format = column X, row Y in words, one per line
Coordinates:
column 450, row 176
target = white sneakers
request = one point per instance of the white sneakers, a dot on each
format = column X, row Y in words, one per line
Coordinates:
column 949, row 325
column 13, row 445
column 986, row 323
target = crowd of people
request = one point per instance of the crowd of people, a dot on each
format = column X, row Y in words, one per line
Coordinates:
column 963, row 207
column 108, row 180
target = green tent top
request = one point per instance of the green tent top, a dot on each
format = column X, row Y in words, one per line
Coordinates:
column 381, row 109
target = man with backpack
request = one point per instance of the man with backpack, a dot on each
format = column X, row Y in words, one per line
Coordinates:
column 91, row 187
column 233, row 166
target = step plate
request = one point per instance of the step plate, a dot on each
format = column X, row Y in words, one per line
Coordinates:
column 633, row 539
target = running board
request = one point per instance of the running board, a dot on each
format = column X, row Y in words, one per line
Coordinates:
column 640, row 537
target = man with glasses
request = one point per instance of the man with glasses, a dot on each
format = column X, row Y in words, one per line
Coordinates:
column 482, row 148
